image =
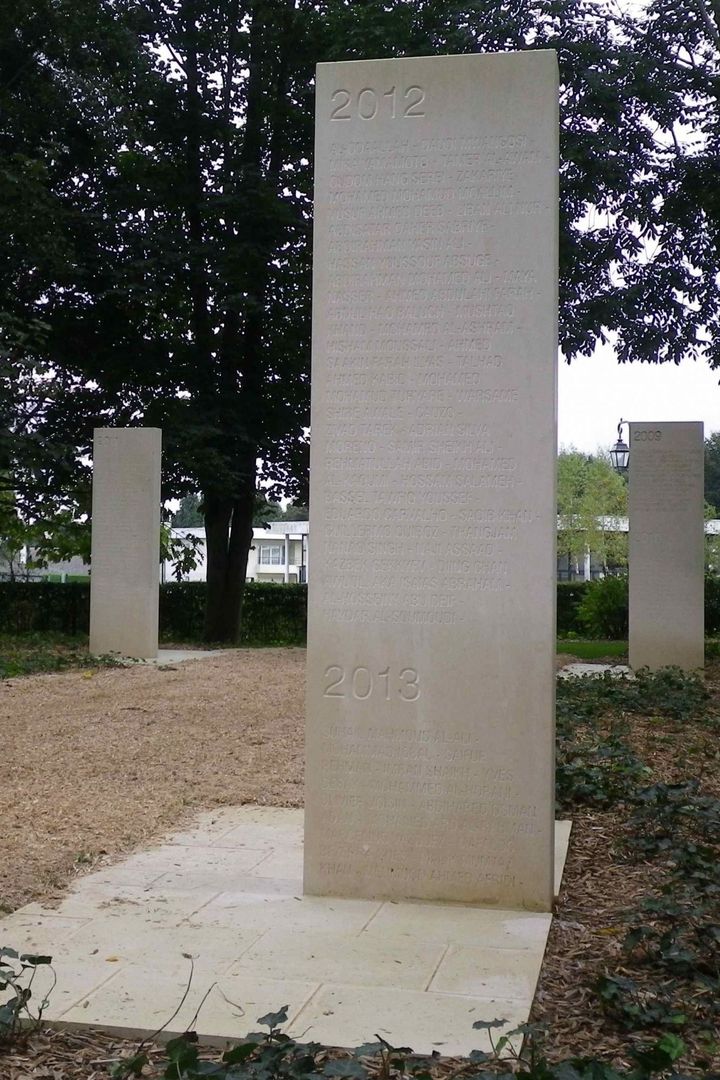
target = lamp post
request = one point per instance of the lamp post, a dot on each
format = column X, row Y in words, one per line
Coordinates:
column 620, row 453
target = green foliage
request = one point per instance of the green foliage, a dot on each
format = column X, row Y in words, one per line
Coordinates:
column 712, row 471
column 569, row 596
column 296, row 512
column 183, row 552
column 273, row 614
column 155, row 206
column 17, row 976
column 590, row 494
column 188, row 514
column 633, row 1007
column 675, row 935
column 603, row 609
column 598, row 649
column 273, row 1055
column 595, row 770
column 42, row 607
column 712, row 605
column 670, row 968
column 30, row 654
column 182, row 605
column 593, row 766
column 266, row 510
column 668, row 692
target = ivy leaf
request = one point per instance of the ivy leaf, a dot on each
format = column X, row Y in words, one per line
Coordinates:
column 239, row 1053
column 274, row 1019
column 488, row 1025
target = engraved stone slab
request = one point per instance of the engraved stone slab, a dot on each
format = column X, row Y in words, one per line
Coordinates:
column 124, row 578
column 667, row 553
column 431, row 627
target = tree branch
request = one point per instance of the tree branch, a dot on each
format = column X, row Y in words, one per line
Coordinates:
column 710, row 26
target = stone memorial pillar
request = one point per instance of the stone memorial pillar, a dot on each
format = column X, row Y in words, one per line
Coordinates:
column 430, row 702
column 125, row 566
column 667, row 545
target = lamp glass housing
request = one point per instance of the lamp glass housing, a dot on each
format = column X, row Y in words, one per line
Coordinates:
column 620, row 456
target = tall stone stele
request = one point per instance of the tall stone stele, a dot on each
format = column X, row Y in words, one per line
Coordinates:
column 430, row 701
column 125, row 554
column 667, row 545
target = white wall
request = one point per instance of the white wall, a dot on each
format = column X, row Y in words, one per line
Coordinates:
column 262, row 538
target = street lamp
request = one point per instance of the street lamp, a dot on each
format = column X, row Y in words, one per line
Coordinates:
column 620, row 453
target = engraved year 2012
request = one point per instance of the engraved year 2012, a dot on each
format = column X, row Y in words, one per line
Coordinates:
column 361, row 683
column 369, row 103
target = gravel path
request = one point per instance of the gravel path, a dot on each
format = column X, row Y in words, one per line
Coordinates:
column 95, row 764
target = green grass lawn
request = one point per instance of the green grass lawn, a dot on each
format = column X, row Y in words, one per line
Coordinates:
column 593, row 650
column 28, row 654
column 602, row 649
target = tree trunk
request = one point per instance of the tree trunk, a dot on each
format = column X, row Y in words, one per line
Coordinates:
column 228, row 536
column 239, row 366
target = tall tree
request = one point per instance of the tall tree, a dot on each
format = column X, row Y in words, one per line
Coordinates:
column 712, row 472
column 164, row 148
column 181, row 296
column 591, row 497
column 188, row 513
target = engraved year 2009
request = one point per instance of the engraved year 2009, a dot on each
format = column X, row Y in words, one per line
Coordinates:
column 647, row 436
column 368, row 103
column 361, row 683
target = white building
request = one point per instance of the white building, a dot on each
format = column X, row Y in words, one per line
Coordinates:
column 279, row 553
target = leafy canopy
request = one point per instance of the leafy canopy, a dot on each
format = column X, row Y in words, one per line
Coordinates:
column 591, row 497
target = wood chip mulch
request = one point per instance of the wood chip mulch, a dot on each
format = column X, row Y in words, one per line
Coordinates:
column 98, row 766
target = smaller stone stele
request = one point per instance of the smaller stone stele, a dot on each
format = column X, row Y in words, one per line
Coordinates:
column 667, row 552
column 125, row 574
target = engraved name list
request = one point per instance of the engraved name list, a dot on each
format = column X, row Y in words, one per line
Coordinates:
column 431, row 476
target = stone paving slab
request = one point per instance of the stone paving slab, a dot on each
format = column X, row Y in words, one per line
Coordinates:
column 224, row 898
column 581, row 670
column 173, row 656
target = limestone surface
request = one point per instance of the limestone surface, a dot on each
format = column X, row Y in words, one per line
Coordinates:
column 667, row 552
column 227, row 892
column 431, row 627
column 125, row 568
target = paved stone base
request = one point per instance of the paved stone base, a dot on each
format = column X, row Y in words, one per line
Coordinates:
column 618, row 671
column 174, row 656
column 228, row 893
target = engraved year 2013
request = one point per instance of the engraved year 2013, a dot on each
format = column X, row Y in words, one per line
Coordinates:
column 361, row 683
column 368, row 103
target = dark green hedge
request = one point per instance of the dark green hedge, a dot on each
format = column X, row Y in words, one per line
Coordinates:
column 603, row 610
column 273, row 614
column 38, row 606
column 182, row 606
column 569, row 597
column 712, row 606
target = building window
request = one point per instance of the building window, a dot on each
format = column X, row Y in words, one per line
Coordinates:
column 271, row 555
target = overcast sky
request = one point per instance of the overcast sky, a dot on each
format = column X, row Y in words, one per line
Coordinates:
column 594, row 393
